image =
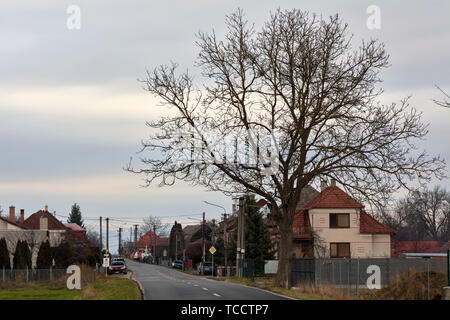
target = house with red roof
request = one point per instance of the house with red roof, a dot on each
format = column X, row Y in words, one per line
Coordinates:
column 333, row 224
column 150, row 239
column 417, row 247
column 76, row 229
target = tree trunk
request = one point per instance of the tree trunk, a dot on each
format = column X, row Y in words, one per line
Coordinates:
column 282, row 278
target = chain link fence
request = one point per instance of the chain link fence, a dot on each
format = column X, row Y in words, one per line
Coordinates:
column 32, row 274
column 354, row 275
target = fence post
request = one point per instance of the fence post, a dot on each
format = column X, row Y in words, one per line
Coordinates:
column 357, row 277
column 428, row 278
column 3, row 277
column 447, row 288
column 388, row 272
column 50, row 273
column 27, row 273
column 348, row 275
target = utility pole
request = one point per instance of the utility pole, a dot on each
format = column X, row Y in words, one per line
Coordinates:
column 101, row 236
column 203, row 238
column 154, row 243
column 135, row 236
column 120, row 241
column 176, row 244
column 240, row 252
column 225, row 237
column 107, row 243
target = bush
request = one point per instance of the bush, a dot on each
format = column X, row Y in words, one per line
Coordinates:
column 5, row 261
column 414, row 286
column 22, row 256
column 63, row 255
column 45, row 257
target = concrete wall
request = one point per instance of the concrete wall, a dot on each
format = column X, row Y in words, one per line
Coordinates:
column 361, row 245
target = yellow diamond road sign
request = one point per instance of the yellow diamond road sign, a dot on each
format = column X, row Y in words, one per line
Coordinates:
column 212, row 250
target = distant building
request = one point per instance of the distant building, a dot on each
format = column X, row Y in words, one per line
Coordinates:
column 76, row 229
column 150, row 239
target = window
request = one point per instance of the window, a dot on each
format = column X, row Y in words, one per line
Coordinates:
column 340, row 250
column 339, row 220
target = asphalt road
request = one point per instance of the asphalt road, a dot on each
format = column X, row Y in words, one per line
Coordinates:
column 162, row 283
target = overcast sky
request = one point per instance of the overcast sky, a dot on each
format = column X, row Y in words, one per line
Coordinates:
column 72, row 111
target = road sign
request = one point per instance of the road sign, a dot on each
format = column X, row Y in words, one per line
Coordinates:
column 165, row 253
column 212, row 250
column 106, row 262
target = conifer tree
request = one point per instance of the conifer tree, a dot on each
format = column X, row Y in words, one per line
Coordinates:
column 5, row 261
column 45, row 257
column 75, row 216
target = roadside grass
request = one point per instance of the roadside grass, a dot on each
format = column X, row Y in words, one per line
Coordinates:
column 112, row 288
column 93, row 287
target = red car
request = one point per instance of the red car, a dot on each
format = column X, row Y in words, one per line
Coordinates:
column 117, row 267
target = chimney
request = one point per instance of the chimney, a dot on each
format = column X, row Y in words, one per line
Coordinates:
column 323, row 185
column 43, row 223
column 22, row 216
column 333, row 182
column 46, row 208
column 12, row 213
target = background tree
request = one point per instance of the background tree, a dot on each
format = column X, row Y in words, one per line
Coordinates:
column 93, row 237
column 427, row 214
column 292, row 103
column 22, row 256
column 45, row 257
column 63, row 255
column 176, row 241
column 5, row 261
column 75, row 216
column 257, row 238
column 154, row 224
column 443, row 103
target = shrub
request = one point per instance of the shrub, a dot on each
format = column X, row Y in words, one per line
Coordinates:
column 45, row 257
column 5, row 261
column 63, row 255
column 22, row 256
column 414, row 286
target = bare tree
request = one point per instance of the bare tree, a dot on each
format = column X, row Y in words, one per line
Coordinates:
column 445, row 102
column 154, row 224
column 299, row 104
column 428, row 213
column 93, row 237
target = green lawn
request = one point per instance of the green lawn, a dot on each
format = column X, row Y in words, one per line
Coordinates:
column 110, row 288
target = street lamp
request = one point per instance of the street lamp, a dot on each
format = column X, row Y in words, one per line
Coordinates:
column 224, row 228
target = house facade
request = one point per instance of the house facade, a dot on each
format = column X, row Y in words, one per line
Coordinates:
column 13, row 230
column 334, row 225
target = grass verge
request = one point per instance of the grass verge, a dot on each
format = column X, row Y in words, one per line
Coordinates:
column 93, row 287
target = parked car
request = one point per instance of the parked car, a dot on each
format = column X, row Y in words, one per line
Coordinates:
column 117, row 267
column 118, row 259
column 206, row 269
column 177, row 264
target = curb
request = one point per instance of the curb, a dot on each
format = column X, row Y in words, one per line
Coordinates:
column 141, row 288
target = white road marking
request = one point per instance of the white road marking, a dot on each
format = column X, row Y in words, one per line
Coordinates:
column 215, row 294
column 195, row 285
column 206, row 289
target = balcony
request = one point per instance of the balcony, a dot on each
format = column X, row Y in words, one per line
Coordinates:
column 302, row 232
